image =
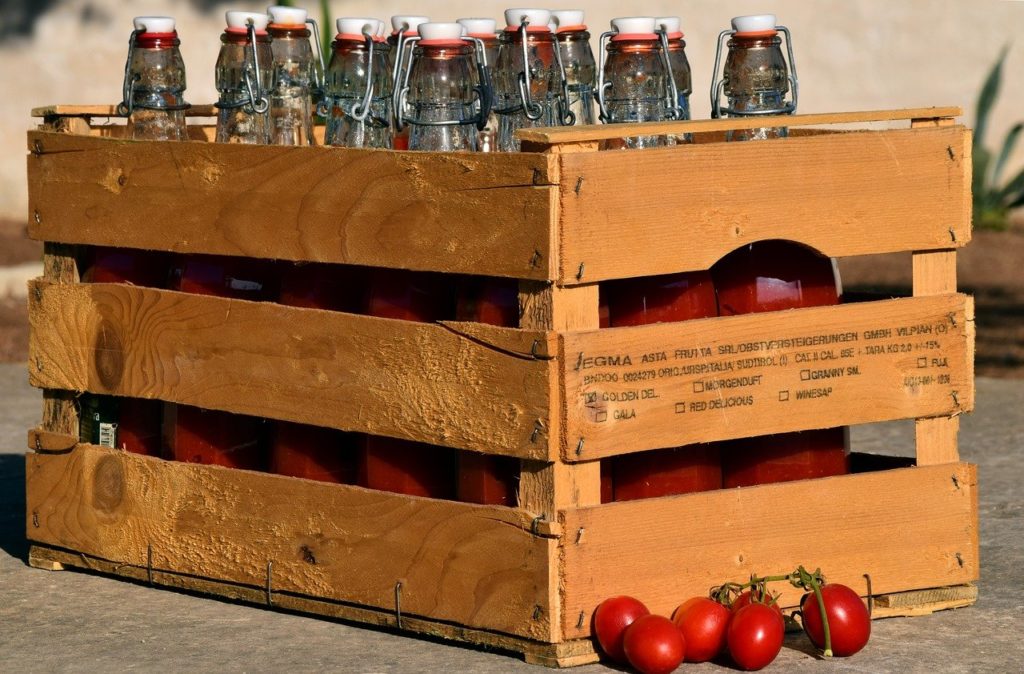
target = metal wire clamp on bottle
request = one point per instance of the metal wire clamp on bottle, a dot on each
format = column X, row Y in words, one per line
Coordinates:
column 674, row 111
column 320, row 77
column 484, row 90
column 718, row 82
column 533, row 110
column 129, row 86
column 256, row 100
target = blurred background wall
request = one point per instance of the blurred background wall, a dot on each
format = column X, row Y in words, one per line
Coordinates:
column 851, row 54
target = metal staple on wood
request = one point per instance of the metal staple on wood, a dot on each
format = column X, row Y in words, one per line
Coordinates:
column 270, row 576
column 871, row 597
column 398, row 604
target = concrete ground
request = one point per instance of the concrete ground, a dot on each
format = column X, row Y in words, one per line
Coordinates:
column 77, row 622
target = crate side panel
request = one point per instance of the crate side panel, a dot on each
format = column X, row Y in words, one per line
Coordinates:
column 475, row 565
column 470, row 213
column 671, row 384
column 842, row 194
column 396, row 378
column 908, row 528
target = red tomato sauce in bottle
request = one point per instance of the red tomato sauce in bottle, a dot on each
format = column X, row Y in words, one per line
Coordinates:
column 139, row 420
column 301, row 450
column 486, row 478
column 676, row 470
column 772, row 276
column 212, row 436
column 391, row 464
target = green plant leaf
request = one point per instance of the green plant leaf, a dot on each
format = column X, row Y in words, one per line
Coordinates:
column 1013, row 192
column 326, row 29
column 979, row 178
column 1004, row 152
column 987, row 98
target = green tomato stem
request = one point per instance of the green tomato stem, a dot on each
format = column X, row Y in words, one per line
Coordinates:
column 812, row 580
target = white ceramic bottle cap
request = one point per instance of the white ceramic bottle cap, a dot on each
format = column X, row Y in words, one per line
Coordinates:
column 670, row 23
column 287, row 16
column 633, row 25
column 564, row 18
column 479, row 26
column 536, row 17
column 755, row 23
column 406, row 22
column 350, row 25
column 381, row 31
column 552, row 26
column 240, row 20
column 440, row 31
column 154, row 24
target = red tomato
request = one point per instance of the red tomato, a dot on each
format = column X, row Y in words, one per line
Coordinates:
column 654, row 645
column 848, row 620
column 747, row 597
column 702, row 622
column 755, row 636
column 611, row 619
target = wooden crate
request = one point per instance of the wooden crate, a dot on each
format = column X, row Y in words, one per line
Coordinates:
column 557, row 393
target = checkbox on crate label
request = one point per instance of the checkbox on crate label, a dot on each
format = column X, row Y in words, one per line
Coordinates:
column 805, row 375
column 601, row 416
column 922, row 362
column 680, row 408
column 783, row 396
column 698, row 387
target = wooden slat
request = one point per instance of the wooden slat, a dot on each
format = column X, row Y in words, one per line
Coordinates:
column 482, row 213
column 385, row 377
column 924, row 602
column 580, row 134
column 743, row 376
column 476, row 565
column 908, row 528
column 935, row 274
column 680, row 209
column 107, row 110
column 60, row 409
column 565, row 654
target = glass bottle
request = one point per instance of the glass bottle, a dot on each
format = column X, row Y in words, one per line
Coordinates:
column 658, row 299
column 578, row 58
column 154, row 81
column 531, row 96
column 154, row 86
column 403, row 28
column 635, row 82
column 392, row 464
column 243, row 78
column 437, row 98
column 358, row 87
column 669, row 31
column 293, row 77
column 771, row 275
column 484, row 30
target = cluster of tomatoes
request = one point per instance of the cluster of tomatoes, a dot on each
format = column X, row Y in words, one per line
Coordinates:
column 747, row 624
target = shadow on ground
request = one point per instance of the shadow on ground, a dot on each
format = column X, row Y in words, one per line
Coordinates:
column 12, row 505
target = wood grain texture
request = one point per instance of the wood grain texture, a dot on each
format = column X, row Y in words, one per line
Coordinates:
column 564, row 654
column 475, row 565
column 909, row 528
column 478, row 213
column 842, row 194
column 60, row 408
column 109, row 110
column 386, row 377
column 924, row 602
column 935, row 274
column 743, row 376
column 596, row 132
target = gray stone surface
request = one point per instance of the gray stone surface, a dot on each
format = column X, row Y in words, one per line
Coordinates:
column 76, row 622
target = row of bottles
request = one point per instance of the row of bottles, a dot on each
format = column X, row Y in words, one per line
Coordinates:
column 439, row 81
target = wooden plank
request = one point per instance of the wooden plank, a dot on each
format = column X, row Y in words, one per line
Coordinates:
column 842, row 194
column 596, row 132
column 672, row 384
column 565, row 654
column 935, row 274
column 60, row 408
column 908, row 528
column 923, row 602
column 482, row 213
column 386, row 377
column 108, row 110
column 475, row 565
